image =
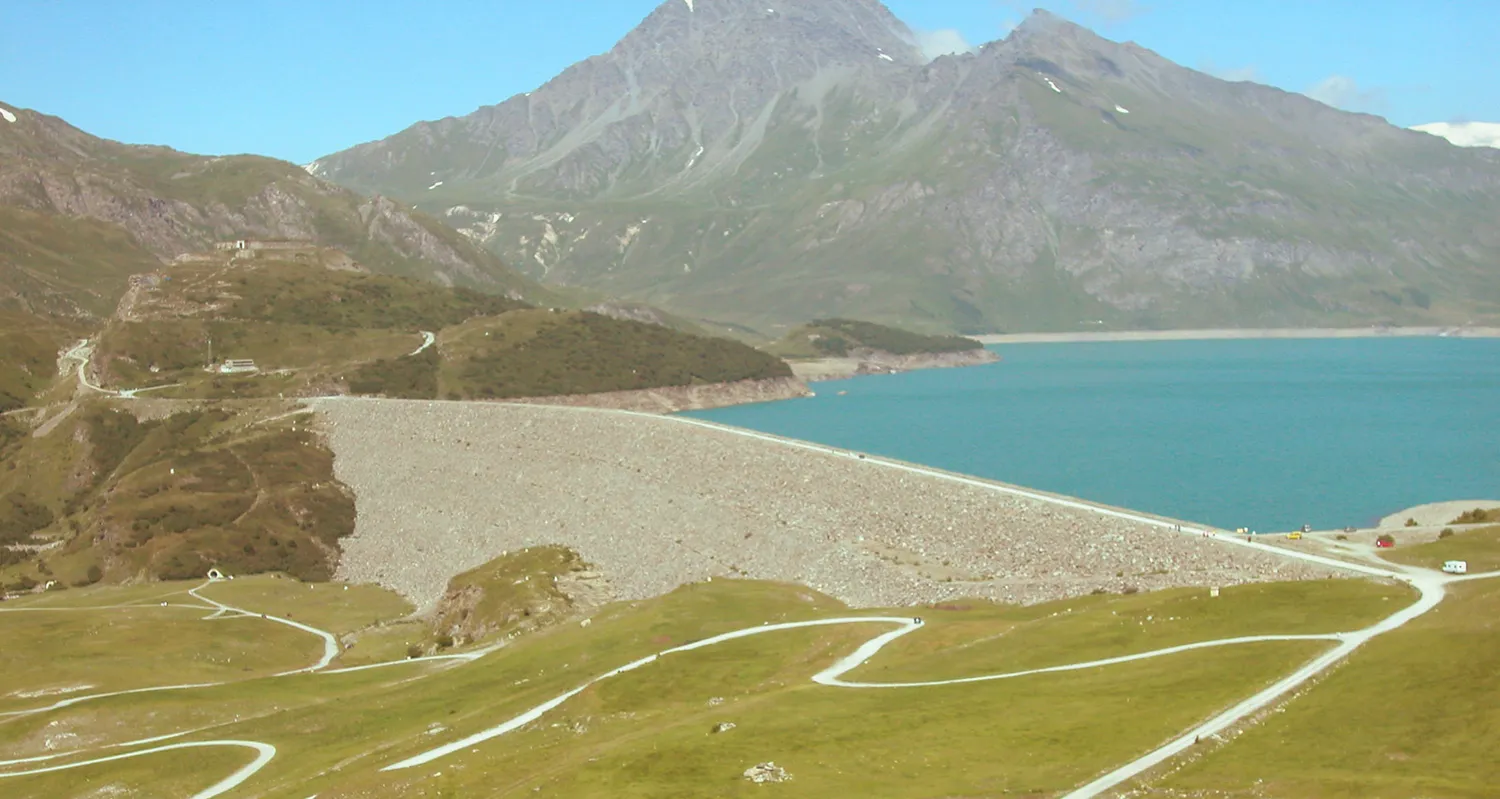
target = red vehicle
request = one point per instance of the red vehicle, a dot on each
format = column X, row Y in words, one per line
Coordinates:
column 1384, row 544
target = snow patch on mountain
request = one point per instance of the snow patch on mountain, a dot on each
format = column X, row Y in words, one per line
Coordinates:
column 9, row 117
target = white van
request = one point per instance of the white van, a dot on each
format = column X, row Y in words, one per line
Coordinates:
column 1456, row 567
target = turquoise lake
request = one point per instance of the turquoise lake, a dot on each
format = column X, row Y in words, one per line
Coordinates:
column 1266, row 434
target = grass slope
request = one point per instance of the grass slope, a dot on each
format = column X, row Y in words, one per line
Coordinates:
column 542, row 353
column 314, row 330
column 825, row 338
column 1413, row 713
column 1481, row 548
column 648, row 732
column 172, row 497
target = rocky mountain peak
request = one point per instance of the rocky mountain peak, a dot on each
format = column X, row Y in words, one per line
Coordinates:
column 762, row 161
column 726, row 30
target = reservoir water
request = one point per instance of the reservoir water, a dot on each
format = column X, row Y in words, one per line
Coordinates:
column 1267, row 434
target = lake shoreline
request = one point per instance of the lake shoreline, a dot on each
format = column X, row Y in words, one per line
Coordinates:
column 1241, row 333
column 885, row 363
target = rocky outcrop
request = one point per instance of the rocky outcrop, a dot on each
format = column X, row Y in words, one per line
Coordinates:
column 767, row 772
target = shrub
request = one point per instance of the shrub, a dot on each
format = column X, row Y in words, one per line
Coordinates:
column 20, row 516
column 1341, row 537
column 1447, row 532
column 413, row 651
column 1478, row 516
column 411, row 377
column 95, row 574
column 1411, row 522
column 1131, row 589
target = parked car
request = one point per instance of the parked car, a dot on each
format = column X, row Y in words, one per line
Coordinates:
column 1295, row 536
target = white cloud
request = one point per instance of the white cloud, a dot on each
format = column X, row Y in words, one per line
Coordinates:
column 1343, row 92
column 1465, row 134
column 945, row 41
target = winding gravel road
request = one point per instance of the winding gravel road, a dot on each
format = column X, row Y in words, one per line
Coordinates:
column 1432, row 586
column 264, row 752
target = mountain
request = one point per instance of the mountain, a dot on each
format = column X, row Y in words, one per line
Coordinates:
column 80, row 214
column 1465, row 134
column 766, row 163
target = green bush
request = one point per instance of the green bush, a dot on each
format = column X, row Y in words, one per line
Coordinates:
column 1478, row 516
column 1411, row 522
column 20, row 517
column 1447, row 532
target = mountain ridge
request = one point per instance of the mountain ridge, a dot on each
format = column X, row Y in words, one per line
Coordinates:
column 1050, row 179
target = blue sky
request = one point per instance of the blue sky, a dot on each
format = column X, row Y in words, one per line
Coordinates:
column 298, row 80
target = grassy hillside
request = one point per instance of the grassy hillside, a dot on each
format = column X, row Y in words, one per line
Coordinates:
column 316, row 330
column 651, row 731
column 1481, row 548
column 511, row 595
column 1411, row 714
column 112, row 496
column 837, row 338
column 542, row 353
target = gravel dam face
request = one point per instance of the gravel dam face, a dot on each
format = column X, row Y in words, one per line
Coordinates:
column 655, row 502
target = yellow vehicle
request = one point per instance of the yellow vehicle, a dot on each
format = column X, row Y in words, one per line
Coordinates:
column 1295, row 536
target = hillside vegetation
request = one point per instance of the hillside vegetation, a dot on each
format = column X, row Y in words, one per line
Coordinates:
column 80, row 214
column 544, row 353
column 311, row 329
column 837, row 338
column 108, row 495
column 1480, row 547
